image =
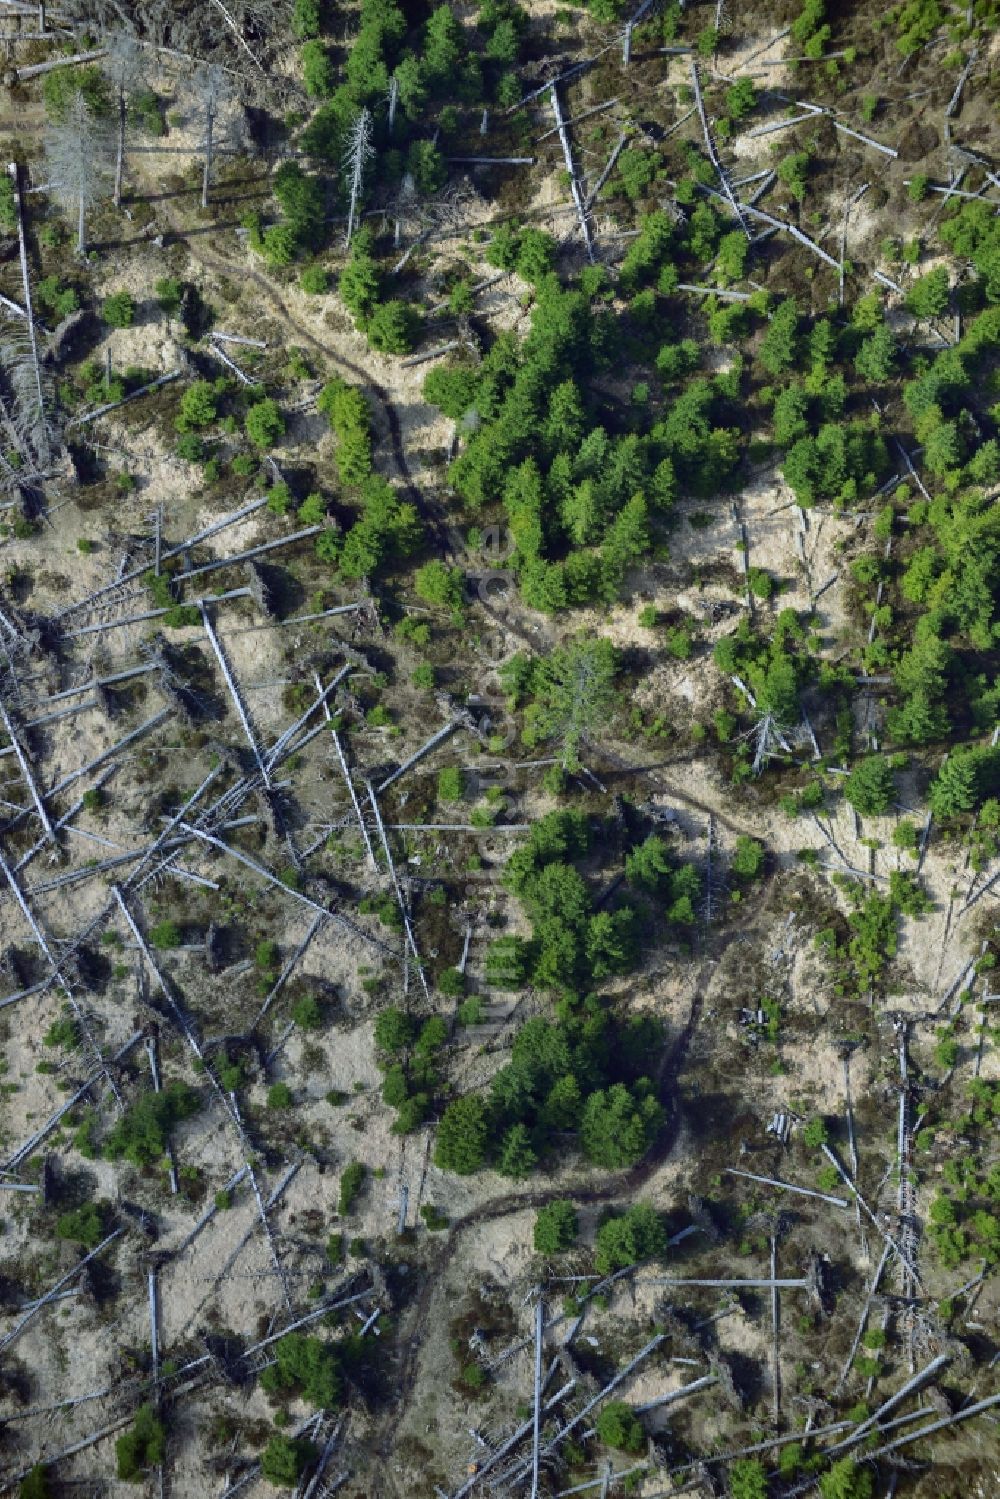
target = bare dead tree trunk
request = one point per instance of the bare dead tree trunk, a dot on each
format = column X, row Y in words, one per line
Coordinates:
column 63, row 1280
column 90, row 416
column 120, row 162
column 508, row 1446
column 27, row 774
column 38, row 69
column 79, row 156
column 234, row 692
column 713, row 155
column 536, row 1426
column 26, row 284
column 209, row 124
column 359, row 153
column 609, row 168
column 236, row 33
column 581, row 208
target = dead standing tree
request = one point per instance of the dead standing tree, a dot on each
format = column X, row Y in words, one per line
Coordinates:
column 76, row 152
column 211, row 90
column 578, row 687
column 124, row 68
column 405, row 204
column 767, row 732
column 359, row 153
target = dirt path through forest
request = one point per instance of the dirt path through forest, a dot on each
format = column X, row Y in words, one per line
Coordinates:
column 618, row 1185
column 432, row 514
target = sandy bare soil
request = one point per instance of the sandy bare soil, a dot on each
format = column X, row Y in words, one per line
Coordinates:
column 461, row 1294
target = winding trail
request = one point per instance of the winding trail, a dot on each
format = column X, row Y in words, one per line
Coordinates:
column 432, row 514
column 617, row 1185
column 625, row 768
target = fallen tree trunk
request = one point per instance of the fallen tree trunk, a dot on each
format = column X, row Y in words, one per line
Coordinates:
column 91, row 416
column 571, row 169
column 36, row 70
column 22, row 246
